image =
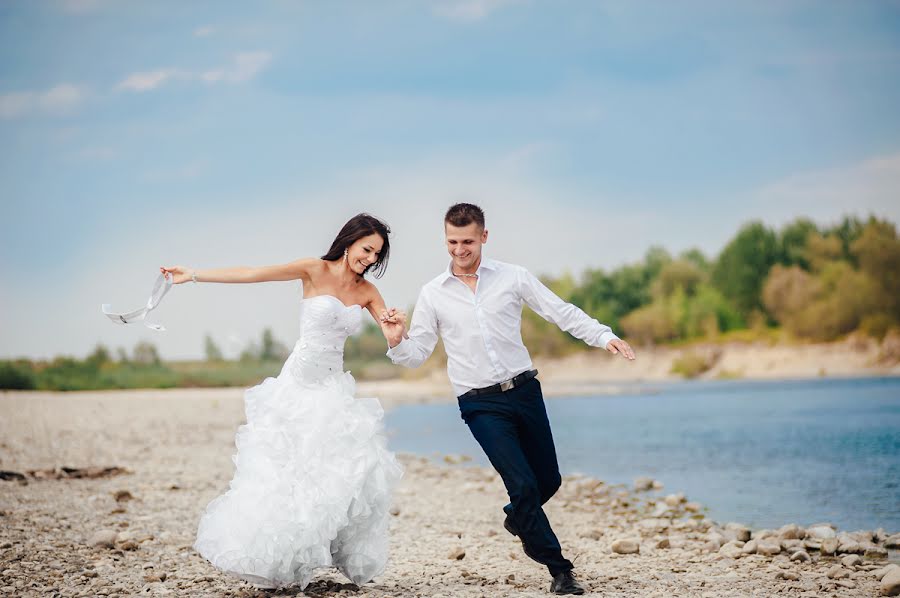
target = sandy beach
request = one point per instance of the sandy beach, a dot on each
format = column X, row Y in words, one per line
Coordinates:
column 446, row 534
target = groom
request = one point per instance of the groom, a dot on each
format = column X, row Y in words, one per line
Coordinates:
column 476, row 308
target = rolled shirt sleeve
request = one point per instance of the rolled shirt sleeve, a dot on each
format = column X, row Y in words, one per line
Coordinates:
column 565, row 315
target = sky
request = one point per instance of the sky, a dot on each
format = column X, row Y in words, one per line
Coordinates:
column 215, row 134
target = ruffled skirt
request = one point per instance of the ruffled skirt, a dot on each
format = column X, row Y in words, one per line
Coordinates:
column 312, row 486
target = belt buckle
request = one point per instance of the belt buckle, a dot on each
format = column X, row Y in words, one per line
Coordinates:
column 504, row 386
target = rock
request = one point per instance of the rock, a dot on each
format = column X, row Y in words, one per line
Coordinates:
column 791, row 545
column 892, row 541
column 653, row 525
column 122, row 495
column 673, row 500
column 693, row 507
column 626, row 546
column 124, row 536
column 105, row 538
column 851, row 560
column 741, row 532
column 717, row 538
column 890, row 583
column 812, row 543
column 657, row 485
column 661, row 509
column 129, row 545
column 801, row 556
column 789, row 575
column 750, row 547
column 875, row 552
column 829, row 546
column 457, row 554
column 837, row 572
column 664, row 543
column 821, row 532
column 791, row 532
column 732, row 549
column 845, row 583
column 880, row 573
column 849, row 546
column 395, row 511
column 642, row 484
column 768, row 548
column 594, row 534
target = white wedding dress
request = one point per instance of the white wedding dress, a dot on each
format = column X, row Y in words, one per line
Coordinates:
column 313, row 478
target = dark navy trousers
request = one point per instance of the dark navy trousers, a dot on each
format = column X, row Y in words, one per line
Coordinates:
column 513, row 430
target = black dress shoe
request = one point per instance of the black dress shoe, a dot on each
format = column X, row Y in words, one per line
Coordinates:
column 565, row 583
column 510, row 527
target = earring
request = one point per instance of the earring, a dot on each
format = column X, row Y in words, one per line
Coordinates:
column 345, row 256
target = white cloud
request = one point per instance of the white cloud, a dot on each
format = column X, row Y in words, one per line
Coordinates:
column 468, row 10
column 868, row 187
column 147, row 81
column 204, row 31
column 243, row 67
column 58, row 100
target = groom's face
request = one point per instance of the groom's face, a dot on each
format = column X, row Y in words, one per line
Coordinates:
column 464, row 244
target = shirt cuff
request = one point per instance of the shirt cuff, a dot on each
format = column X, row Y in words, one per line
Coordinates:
column 399, row 351
column 606, row 337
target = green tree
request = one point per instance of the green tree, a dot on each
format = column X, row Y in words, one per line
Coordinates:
column 211, row 349
column 792, row 242
column 145, row 353
column 743, row 265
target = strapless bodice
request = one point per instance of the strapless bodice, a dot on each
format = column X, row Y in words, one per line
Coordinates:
column 325, row 324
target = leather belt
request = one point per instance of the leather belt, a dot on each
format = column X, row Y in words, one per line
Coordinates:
column 502, row 386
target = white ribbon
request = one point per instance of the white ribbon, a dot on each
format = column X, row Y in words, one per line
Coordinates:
column 160, row 288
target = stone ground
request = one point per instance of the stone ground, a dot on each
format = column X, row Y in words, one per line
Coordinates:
column 447, row 537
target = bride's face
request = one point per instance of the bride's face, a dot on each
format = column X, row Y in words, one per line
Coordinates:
column 364, row 252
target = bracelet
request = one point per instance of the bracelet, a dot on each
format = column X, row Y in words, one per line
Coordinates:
column 193, row 277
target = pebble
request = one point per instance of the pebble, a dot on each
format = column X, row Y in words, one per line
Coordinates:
column 626, row 546
column 105, row 538
column 837, row 572
column 801, row 556
column 821, row 532
column 829, row 546
column 851, row 560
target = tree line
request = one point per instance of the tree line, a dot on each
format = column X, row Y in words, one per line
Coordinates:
column 802, row 281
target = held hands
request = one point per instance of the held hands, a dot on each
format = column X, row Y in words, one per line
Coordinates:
column 179, row 274
column 393, row 325
column 620, row 346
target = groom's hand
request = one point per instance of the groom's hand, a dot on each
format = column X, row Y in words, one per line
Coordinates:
column 393, row 325
column 620, row 346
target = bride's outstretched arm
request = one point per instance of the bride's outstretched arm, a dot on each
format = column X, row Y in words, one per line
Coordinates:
column 289, row 271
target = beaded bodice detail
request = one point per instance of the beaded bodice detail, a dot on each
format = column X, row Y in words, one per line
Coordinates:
column 325, row 324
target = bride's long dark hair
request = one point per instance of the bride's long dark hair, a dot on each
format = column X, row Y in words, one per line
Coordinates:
column 362, row 225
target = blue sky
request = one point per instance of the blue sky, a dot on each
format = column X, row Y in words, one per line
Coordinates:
column 213, row 134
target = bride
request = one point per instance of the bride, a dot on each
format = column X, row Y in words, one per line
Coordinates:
column 313, row 478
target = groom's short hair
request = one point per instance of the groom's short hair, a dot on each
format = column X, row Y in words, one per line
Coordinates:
column 464, row 214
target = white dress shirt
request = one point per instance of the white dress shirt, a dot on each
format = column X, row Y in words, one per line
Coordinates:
column 482, row 331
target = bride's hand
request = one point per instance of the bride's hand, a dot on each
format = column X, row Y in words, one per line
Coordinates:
column 179, row 274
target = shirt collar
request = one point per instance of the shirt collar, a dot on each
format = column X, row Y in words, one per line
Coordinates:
column 486, row 264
